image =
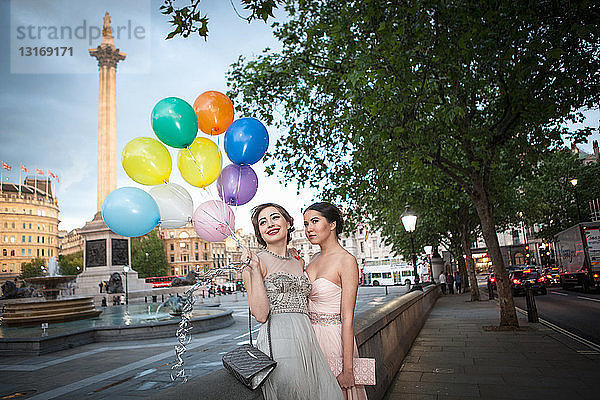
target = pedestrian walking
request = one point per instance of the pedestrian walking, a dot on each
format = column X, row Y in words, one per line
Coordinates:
column 450, row 283
column 442, row 279
column 457, row 282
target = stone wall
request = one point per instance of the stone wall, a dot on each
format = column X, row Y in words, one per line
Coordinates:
column 385, row 333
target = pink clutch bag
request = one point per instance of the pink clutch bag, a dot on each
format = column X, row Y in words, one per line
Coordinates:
column 364, row 369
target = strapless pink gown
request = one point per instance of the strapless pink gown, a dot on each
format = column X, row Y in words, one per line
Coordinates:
column 324, row 304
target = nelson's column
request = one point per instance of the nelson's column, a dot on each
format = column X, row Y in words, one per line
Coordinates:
column 104, row 251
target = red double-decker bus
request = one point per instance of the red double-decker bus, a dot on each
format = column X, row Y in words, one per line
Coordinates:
column 162, row 281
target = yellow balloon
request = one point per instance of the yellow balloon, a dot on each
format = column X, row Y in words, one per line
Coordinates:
column 200, row 163
column 146, row 161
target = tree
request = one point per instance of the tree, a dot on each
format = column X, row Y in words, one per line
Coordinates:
column 148, row 255
column 478, row 90
column 32, row 269
column 551, row 197
column 188, row 19
column 71, row 264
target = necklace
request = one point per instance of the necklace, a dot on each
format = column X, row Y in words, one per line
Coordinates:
column 288, row 257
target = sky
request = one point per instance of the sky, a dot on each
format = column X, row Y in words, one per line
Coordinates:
column 49, row 120
column 49, row 105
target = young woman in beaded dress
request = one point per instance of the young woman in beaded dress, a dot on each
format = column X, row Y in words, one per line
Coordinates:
column 278, row 290
column 334, row 276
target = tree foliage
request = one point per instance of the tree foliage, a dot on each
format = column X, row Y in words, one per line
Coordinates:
column 188, row 19
column 551, row 197
column 479, row 90
column 32, row 269
column 71, row 264
column 148, row 255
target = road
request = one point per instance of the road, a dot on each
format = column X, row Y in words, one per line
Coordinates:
column 572, row 310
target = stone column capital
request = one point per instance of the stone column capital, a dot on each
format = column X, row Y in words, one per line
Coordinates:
column 107, row 55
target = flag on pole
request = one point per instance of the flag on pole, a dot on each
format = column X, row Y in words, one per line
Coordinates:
column 6, row 166
column 39, row 171
column 23, row 168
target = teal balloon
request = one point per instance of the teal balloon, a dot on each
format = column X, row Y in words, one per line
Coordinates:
column 129, row 211
column 174, row 122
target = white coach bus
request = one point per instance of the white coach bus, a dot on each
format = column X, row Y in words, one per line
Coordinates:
column 387, row 272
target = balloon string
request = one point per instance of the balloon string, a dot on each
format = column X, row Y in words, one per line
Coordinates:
column 183, row 334
column 225, row 222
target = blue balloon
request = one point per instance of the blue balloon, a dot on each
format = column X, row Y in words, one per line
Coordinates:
column 246, row 141
column 129, row 211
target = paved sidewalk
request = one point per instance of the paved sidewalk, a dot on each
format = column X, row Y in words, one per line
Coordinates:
column 455, row 358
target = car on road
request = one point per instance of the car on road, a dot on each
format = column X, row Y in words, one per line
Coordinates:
column 520, row 279
column 552, row 276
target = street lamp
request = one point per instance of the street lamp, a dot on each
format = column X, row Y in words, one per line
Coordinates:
column 126, row 270
column 574, row 182
column 409, row 220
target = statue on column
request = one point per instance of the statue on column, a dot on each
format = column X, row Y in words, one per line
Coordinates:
column 106, row 29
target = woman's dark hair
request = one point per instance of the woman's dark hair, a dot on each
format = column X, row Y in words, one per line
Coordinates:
column 331, row 214
column 254, row 218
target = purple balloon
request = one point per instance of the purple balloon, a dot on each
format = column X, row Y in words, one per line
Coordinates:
column 237, row 184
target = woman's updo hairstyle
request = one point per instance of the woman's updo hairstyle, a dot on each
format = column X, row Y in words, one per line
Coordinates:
column 331, row 214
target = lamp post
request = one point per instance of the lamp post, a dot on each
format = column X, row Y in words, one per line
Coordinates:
column 126, row 270
column 409, row 220
column 574, row 182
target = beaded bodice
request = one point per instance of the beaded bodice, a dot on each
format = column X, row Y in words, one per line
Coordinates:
column 286, row 285
column 287, row 293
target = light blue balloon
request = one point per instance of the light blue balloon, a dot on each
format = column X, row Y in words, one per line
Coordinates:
column 246, row 141
column 129, row 211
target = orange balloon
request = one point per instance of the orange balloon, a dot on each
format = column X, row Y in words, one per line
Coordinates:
column 214, row 111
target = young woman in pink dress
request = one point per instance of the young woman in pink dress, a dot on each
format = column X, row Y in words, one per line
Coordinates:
column 334, row 276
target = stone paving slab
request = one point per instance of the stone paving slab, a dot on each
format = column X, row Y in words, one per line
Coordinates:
column 455, row 358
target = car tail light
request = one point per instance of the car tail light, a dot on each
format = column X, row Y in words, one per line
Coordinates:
column 517, row 281
column 494, row 279
column 541, row 279
column 549, row 276
column 596, row 276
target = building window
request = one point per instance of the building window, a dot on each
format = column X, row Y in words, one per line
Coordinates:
column 205, row 248
column 196, row 246
column 205, row 256
column 12, row 239
column 30, row 222
column 22, row 252
column 172, row 247
column 13, row 225
column 23, row 239
column 42, row 252
column 172, row 258
column 6, row 224
column 24, row 225
column 12, row 253
column 29, row 239
column 38, row 252
column 362, row 247
column 42, row 239
column 28, row 252
column 4, row 252
column 197, row 257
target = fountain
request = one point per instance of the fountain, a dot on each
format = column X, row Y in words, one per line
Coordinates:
column 51, row 308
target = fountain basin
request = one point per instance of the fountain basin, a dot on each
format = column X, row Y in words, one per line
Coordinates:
column 50, row 286
column 34, row 312
column 117, row 323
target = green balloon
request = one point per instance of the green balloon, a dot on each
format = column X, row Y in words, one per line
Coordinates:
column 174, row 122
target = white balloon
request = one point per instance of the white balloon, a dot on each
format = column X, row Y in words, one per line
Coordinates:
column 175, row 205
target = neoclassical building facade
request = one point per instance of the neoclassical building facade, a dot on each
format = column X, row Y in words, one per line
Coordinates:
column 28, row 225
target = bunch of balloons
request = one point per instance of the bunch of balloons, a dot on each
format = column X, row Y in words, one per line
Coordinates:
column 132, row 212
